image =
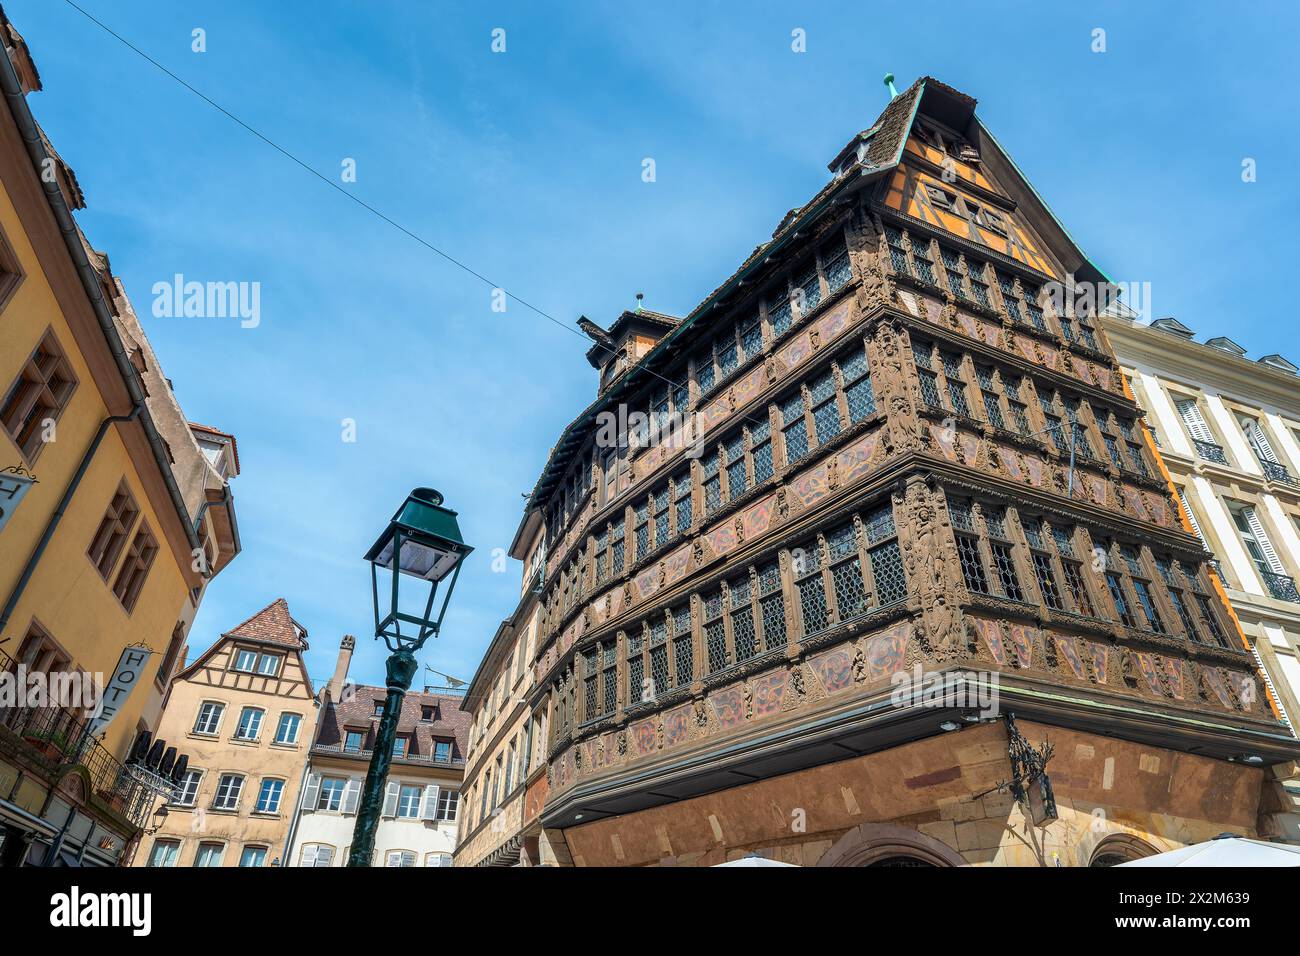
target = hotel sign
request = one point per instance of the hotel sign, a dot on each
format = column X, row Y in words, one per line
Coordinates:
column 129, row 672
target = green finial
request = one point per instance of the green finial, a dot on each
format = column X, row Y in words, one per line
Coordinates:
column 889, row 82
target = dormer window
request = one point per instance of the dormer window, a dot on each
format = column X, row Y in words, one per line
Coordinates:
column 941, row 198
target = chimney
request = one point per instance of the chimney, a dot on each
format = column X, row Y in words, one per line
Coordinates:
column 341, row 668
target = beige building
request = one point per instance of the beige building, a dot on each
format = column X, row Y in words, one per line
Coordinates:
column 417, row 821
column 244, row 712
column 505, row 776
column 1228, row 427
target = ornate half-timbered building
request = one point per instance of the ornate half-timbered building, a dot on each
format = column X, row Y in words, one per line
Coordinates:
column 905, row 460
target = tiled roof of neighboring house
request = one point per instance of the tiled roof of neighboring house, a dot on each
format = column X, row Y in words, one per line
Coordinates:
column 357, row 711
column 273, row 625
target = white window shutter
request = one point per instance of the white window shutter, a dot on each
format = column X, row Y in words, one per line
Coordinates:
column 1194, row 420
column 390, row 799
column 310, row 792
column 1257, row 529
column 351, row 795
column 1262, row 447
column 309, row 855
column 429, row 804
column 1191, row 517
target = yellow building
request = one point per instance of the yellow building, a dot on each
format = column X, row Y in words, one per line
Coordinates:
column 244, row 713
column 112, row 516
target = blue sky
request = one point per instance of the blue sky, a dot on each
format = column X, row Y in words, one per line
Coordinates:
column 527, row 166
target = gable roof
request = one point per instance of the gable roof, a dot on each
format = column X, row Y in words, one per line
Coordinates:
column 272, row 625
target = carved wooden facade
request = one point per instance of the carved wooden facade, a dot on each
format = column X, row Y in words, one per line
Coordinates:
column 907, row 457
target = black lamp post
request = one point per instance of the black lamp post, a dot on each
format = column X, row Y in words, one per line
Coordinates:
column 422, row 541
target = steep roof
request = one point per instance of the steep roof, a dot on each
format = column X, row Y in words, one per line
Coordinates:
column 357, row 710
column 272, row 625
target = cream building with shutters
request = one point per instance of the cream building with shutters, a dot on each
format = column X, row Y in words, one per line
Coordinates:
column 1228, row 427
column 422, row 802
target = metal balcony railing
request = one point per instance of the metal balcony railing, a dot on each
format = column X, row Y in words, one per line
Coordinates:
column 1281, row 586
column 1275, row 472
column 427, row 759
column 1210, row 451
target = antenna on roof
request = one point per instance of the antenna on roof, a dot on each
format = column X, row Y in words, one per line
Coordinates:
column 889, row 82
column 639, row 297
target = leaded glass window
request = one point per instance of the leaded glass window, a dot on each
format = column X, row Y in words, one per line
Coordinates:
column 760, row 443
column 659, row 656
column 825, row 409
column 682, row 501
column 808, row 289
column 795, row 428
column 660, row 502
column 734, row 450
column 743, row 634
column 683, row 645
column 857, row 385
column 715, row 633
column 956, row 384
column 751, row 337
column 846, row 572
column 952, row 269
column 772, row 605
column 835, row 264
column 641, row 531
column 807, row 563
column 636, row 691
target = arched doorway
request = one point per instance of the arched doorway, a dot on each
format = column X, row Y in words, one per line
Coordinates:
column 1120, row 848
column 883, row 844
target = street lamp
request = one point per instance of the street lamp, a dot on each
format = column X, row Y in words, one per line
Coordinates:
column 422, row 542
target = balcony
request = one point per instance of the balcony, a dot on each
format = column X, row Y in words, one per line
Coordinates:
column 426, row 760
column 61, row 740
column 1210, row 451
column 1281, row 586
column 1275, row 472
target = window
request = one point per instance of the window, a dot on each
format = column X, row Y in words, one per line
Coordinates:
column 760, row 450
column 250, row 723
column 858, row 393
column 609, row 676
column 164, row 852
column 771, row 605
column 408, row 801
column 682, row 501
column 400, row 744
column 1041, row 559
column 317, row 854
column 188, row 790
column 616, row 547
column 268, row 798
column 379, row 709
column 442, row 751
column 683, row 647
column 590, row 683
column 661, row 516
column 1014, row 389
column 794, row 428
column 1008, row 579
column 1265, row 558
column 637, row 691
column 884, row 557
column 268, row 665
column 113, row 531
column 1142, row 588
column 922, row 357
column 448, row 805
column 835, row 265
column 331, row 793
column 510, row 768
column 253, row 856
column 1199, row 431
column 977, row 279
column 986, row 377
column 780, row 311
column 968, row 546
column 1263, row 449
column 641, row 531
column 287, row 731
column 952, row 372
column 737, row 473
column 712, row 481
column 400, row 858
column 715, row 634
column 245, row 661
column 952, row 269
column 825, row 407
column 743, row 633
column 353, row 741
column 437, row 859
column 807, row 288
column 1010, row 299
column 228, row 790
column 43, row 389
column 209, row 854
column 209, row 718
column 810, row 588
column 135, row 567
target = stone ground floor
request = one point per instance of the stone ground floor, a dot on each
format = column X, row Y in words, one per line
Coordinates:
column 936, row 802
